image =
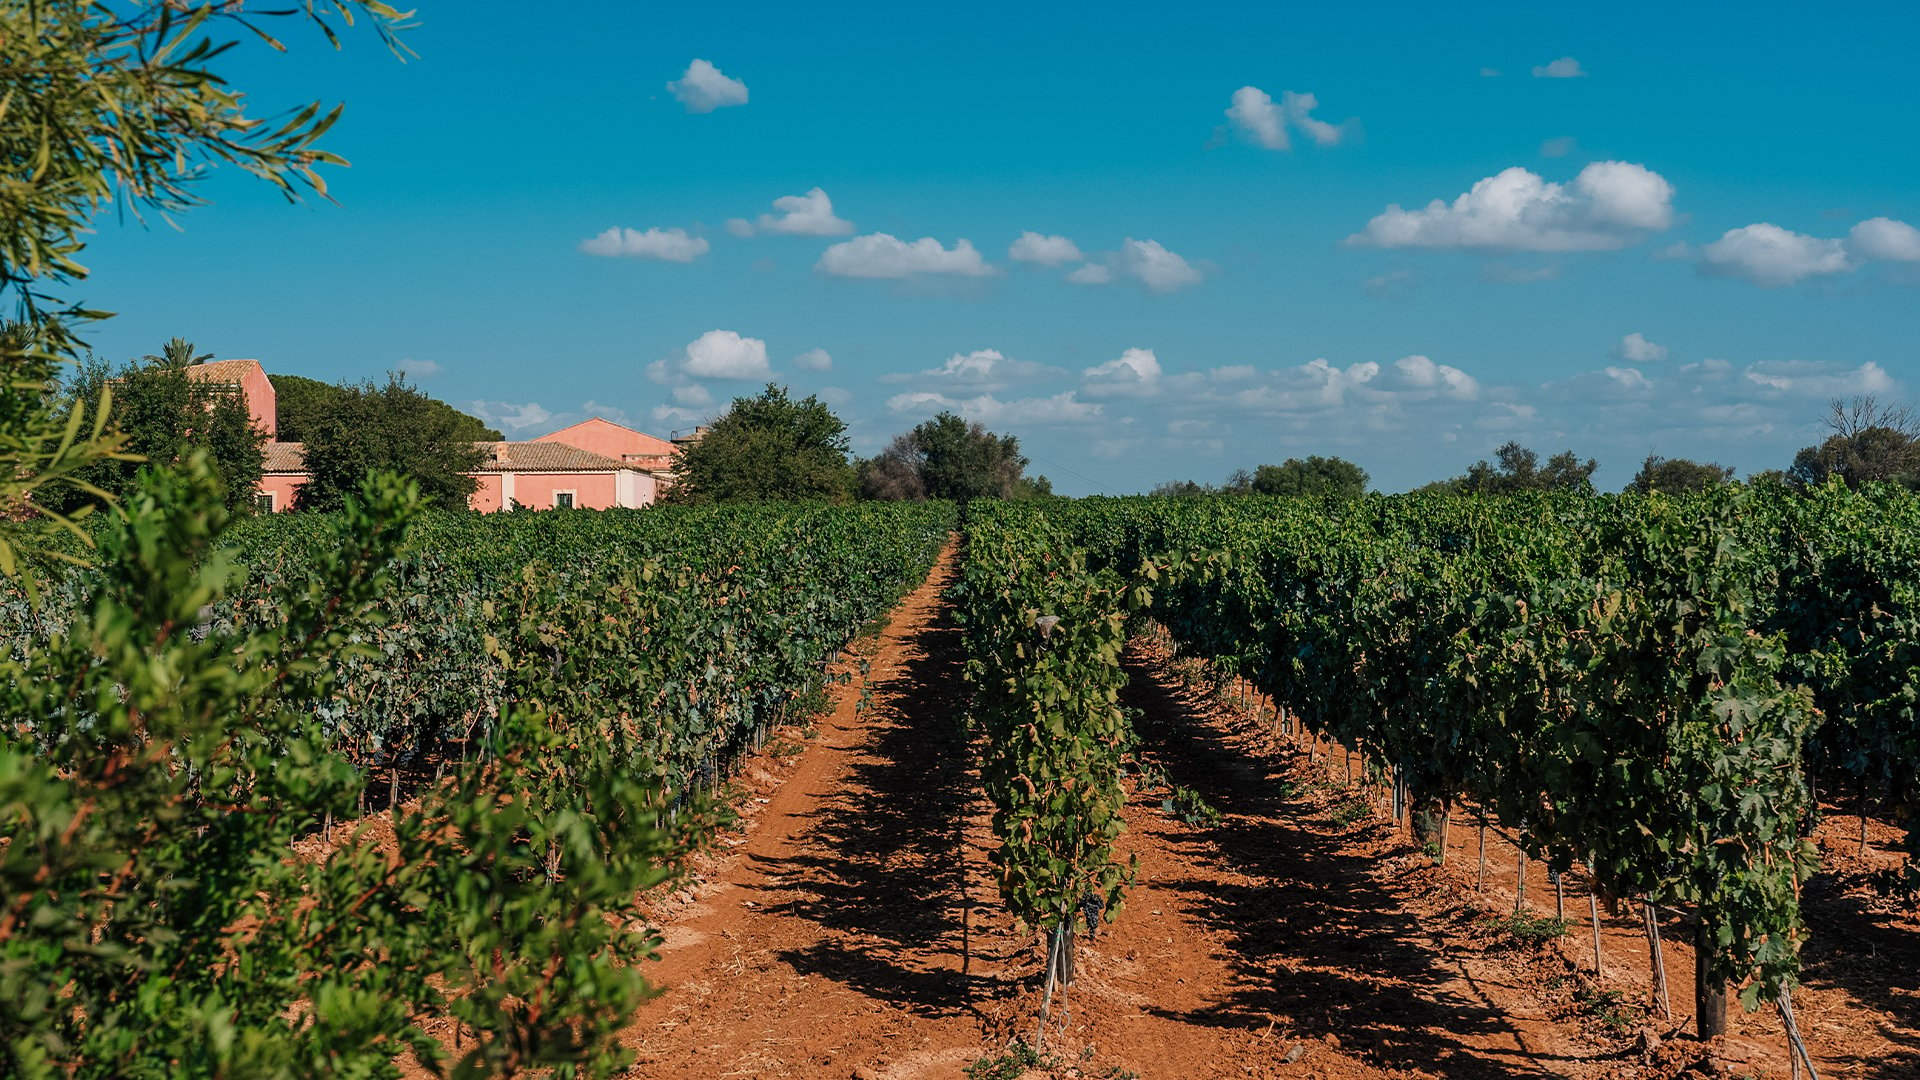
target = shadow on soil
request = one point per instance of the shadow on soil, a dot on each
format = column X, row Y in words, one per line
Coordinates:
column 1367, row 973
column 1864, row 954
column 883, row 864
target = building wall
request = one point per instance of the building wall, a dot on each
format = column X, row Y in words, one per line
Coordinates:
column 610, row 440
column 591, row 491
column 262, row 402
column 488, row 496
column 283, row 488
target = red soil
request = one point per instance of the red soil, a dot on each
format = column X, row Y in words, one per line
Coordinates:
column 849, row 928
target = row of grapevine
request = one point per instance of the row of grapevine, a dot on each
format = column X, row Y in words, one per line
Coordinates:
column 1044, row 637
column 700, row 625
column 1634, row 684
column 174, row 720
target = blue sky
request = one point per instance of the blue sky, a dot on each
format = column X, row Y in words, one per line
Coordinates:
column 1695, row 226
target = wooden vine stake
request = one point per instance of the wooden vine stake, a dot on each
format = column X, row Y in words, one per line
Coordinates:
column 1650, row 916
column 1482, row 882
column 1593, row 909
column 1797, row 1055
column 1520, row 890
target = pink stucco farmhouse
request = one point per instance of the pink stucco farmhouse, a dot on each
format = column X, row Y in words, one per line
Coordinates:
column 593, row 465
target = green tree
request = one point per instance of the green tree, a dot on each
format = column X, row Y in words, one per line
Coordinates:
column 166, row 415
column 1871, row 443
column 949, row 458
column 390, row 428
column 1678, row 476
column 177, row 353
column 767, row 447
column 1320, row 476
column 302, row 404
column 1519, row 469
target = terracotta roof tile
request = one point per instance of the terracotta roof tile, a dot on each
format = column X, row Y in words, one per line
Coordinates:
column 229, row 371
column 544, row 457
column 285, row 457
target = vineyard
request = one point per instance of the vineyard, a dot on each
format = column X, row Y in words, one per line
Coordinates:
column 520, row 756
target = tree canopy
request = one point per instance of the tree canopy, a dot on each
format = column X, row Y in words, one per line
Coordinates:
column 303, row 404
column 1321, row 476
column 949, row 458
column 1871, row 443
column 767, row 447
column 1516, row 468
column 164, row 416
column 1678, row 476
column 393, row 428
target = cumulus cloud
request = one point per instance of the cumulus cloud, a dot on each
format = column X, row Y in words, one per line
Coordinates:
column 979, row 371
column 418, row 369
column 1564, row 68
column 1610, row 204
column 814, row 360
column 1886, row 239
column 1135, row 372
column 705, row 88
column 1044, row 250
column 1091, row 274
column 672, row 245
column 882, row 255
column 1813, row 379
column 510, row 416
column 1266, row 121
column 1636, row 349
column 1421, row 373
column 1059, row 410
column 798, row 215
column 1145, row 261
column 716, row 354
column 1770, row 256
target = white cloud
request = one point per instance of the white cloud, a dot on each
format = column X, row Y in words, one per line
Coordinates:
column 1770, row 256
column 1628, row 378
column 1058, row 410
column 1885, row 238
column 1044, row 250
column 1636, row 349
column 511, row 417
column 799, row 215
column 981, row 370
column 1146, row 261
column 673, row 245
column 1610, row 204
column 716, row 354
column 418, row 369
column 882, row 255
column 1564, row 68
column 705, row 88
column 1421, row 373
column 1262, row 119
column 692, row 394
column 814, row 360
column 1815, row 380
column 1136, row 372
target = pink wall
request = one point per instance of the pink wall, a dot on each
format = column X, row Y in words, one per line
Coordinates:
column 592, row 491
column 609, row 439
column 283, row 488
column 262, row 402
column 486, row 496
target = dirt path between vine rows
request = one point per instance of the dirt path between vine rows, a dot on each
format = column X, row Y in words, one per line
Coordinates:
column 849, row 926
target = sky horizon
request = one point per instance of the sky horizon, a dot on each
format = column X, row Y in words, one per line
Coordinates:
column 1153, row 247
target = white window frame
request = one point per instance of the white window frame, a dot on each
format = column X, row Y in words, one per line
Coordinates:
column 271, row 501
column 573, row 498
